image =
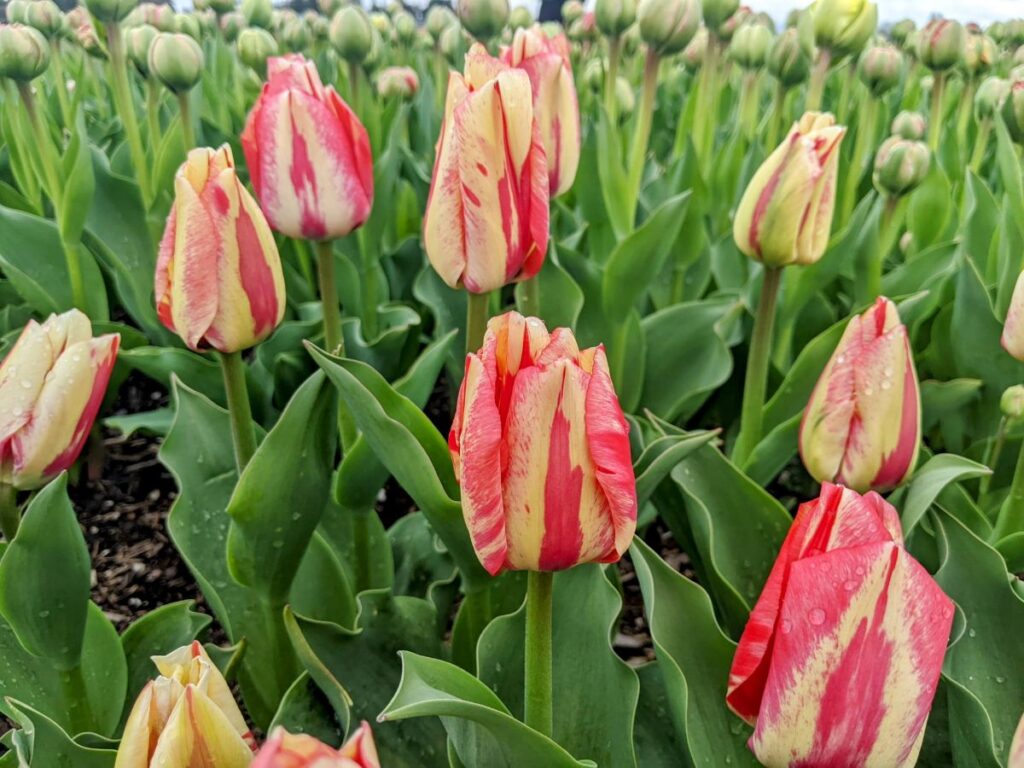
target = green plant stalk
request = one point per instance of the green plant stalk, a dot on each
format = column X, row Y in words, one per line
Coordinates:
column 30, row 183
column 353, row 85
column 981, row 144
column 867, row 117
column 243, row 432
column 870, row 287
column 611, row 103
column 935, row 124
column 333, row 341
column 704, row 124
column 538, row 652
column 746, row 107
column 77, row 695
column 756, row 381
column 440, row 81
column 845, row 93
column 371, row 288
column 187, row 129
column 57, row 66
column 153, row 111
column 478, row 311
column 993, row 452
column 816, row 87
column 964, row 110
column 777, row 123
column 126, row 108
column 10, row 516
column 1011, row 516
column 642, row 133
column 530, row 303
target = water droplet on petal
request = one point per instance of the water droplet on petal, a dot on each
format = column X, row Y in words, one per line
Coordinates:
column 786, row 627
column 816, row 616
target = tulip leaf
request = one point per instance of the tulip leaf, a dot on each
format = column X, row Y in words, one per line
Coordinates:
column 587, row 722
column 78, row 187
column 421, row 566
column 561, row 299
column 660, row 457
column 1012, row 549
column 929, row 481
column 305, row 709
column 694, row 656
column 930, row 209
column 1009, row 170
column 771, row 455
column 449, row 309
column 480, row 727
column 43, row 743
column 396, row 342
column 504, row 595
column 657, row 743
column 614, row 185
column 338, row 527
column 161, row 364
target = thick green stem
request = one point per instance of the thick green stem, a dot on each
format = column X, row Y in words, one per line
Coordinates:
column 153, row 111
column 538, row 652
column 530, row 302
column 611, row 103
column 964, row 110
column 440, row 80
column 993, row 452
column 371, row 288
column 981, row 143
column 706, row 119
column 642, row 133
column 1011, row 516
column 816, row 88
column 57, row 66
column 333, row 341
column 869, row 287
column 842, row 112
column 777, row 123
column 867, row 117
column 76, row 694
column 935, row 125
column 756, row 382
column 243, row 432
column 187, row 129
column 126, row 108
column 353, row 85
column 477, row 313
column 746, row 108
column 10, row 516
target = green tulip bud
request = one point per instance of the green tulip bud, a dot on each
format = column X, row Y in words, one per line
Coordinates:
column 351, row 34
column 255, row 46
column 990, row 97
column 318, row 24
column 593, row 75
column 980, row 53
column 176, row 60
column 750, row 45
column 572, row 10
column 330, row 7
column 728, row 28
column 1014, row 32
column 381, row 23
column 258, row 13
column 941, row 44
column 787, row 60
column 909, row 125
column 296, row 35
column 901, row 30
column 188, row 24
column 439, row 18
column 405, row 27
column 452, row 44
column 220, row 7
column 160, row 17
column 880, row 68
column 45, row 16
column 137, row 42
column 1012, row 402
column 520, row 18
column 24, row 52
column 376, row 55
column 17, row 11
column 717, row 12
column 693, row 53
column 901, row 165
column 614, row 16
column 631, row 40
column 625, row 98
column 667, row 26
column 110, row 10
column 844, row 27
column 231, row 24
column 1013, row 111
column 483, row 19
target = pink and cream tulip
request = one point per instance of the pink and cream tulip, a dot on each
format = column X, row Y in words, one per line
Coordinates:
column 286, row 750
column 785, row 214
column 402, row 82
column 541, row 451
column 52, row 384
column 308, row 154
column 840, row 658
column 218, row 281
column 186, row 718
column 546, row 61
column 486, row 222
column 1013, row 329
column 862, row 425
column 1017, row 747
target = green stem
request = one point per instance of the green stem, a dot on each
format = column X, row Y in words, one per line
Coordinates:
column 777, row 122
column 935, row 126
column 1011, row 516
column 744, row 113
column 870, row 288
column 80, row 717
column 361, row 544
column 642, row 133
column 57, row 65
column 126, row 108
column 153, row 111
column 440, row 80
column 10, row 516
column 243, row 432
column 538, row 652
column 758, row 357
column 867, row 117
column 371, row 288
column 529, row 304
column 187, row 129
column 333, row 341
column 816, row 88
column 844, row 94
column 706, row 119
column 477, row 313
column 993, row 452
column 981, row 144
column 611, row 103
column 964, row 110
column 353, row 85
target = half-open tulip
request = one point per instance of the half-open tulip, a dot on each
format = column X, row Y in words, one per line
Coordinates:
column 287, row 750
column 785, row 214
column 308, row 154
column 51, row 386
column 486, row 222
column 1013, row 329
column 218, row 276
column 862, row 425
column 546, row 61
column 541, row 451
column 186, row 718
column 840, row 658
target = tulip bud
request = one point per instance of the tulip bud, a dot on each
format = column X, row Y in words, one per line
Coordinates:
column 843, row 27
column 452, row 43
column 52, row 383
column 17, row 11
column 330, row 7
column 593, row 75
column 880, row 68
column 220, row 7
column 631, row 40
column 258, row 13
column 849, row 629
column 750, row 46
column 255, row 46
column 901, row 30
column 941, row 44
column 569, row 494
column 405, row 27
column 785, row 214
column 1013, row 330
column 520, row 18
column 716, row 12
column 909, row 125
column 483, row 19
column 979, row 54
column 571, row 11
column 161, row 17
column 218, row 280
column 614, row 16
column 137, row 42
column 110, row 10
column 286, row 750
column 728, row 28
column 308, row 154
column 231, row 25
column 667, row 26
column 176, row 60
column 901, row 165
column 990, row 97
column 86, row 37
column 296, row 35
column 24, row 53
column 351, row 33
column 1012, row 402
column 398, row 82
column 625, row 98
column 788, row 61
column 862, row 425
column 45, row 16
column 1013, row 111
column 382, row 23
column 439, row 18
column 188, row 24
column 693, row 53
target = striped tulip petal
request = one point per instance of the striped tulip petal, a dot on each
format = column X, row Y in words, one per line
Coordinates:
column 199, row 735
column 287, row 750
column 1013, row 330
column 361, row 748
column 1017, row 747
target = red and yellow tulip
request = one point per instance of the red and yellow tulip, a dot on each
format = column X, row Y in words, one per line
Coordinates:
column 486, row 222
column 541, row 451
column 862, row 425
column 839, row 661
column 286, row 750
column 218, row 275
column 51, row 386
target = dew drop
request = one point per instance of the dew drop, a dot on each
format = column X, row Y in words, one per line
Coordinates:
column 26, row 384
column 787, row 626
column 816, row 617
column 849, row 585
column 972, row 632
column 886, row 384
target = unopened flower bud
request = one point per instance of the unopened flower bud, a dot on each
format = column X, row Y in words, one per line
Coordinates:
column 980, row 53
column 351, row 33
column 729, row 27
column 258, row 13
column 901, row 165
column 909, row 125
column 844, row 27
column 901, row 30
column 24, row 52
column 231, row 24
column 137, row 42
column 176, row 60
column 1012, row 402
column 296, row 36
column 1013, row 111
column 110, row 10
column 990, row 97
column 452, row 44
column 624, row 97
column 716, row 12
column 593, row 75
column 188, row 24
column 398, row 82
column 572, row 10
column 940, row 45
column 787, row 60
column 693, row 53
column 45, row 16
column 405, row 27
column 439, row 18
column 255, row 46
column 667, row 26
column 614, row 16
column 16, row 11
column 483, row 19
column 880, row 68
column 750, row 45
column 520, row 18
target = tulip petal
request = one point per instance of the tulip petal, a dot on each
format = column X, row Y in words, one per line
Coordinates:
column 1017, row 747
column 199, row 735
column 21, row 380
column 1012, row 338
column 361, row 747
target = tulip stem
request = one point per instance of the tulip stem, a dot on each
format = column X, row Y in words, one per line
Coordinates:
column 642, row 134
column 935, row 125
column 756, row 382
column 704, row 126
column 10, row 517
column 353, row 85
column 981, row 144
column 57, row 63
column 867, row 117
column 187, row 129
column 611, row 103
column 816, row 88
column 371, row 287
column 993, row 452
column 529, row 303
column 1011, row 516
column 126, row 108
column 778, row 118
column 333, row 341
column 963, row 119
column 538, row 652
column 243, row 434
column 153, row 111
column 477, row 314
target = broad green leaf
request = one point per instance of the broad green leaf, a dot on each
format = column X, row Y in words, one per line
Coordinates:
column 420, row 564
column 1009, row 169
column 773, row 453
column 339, row 528
column 79, row 185
column 42, row 743
column 658, row 744
column 929, row 481
column 305, row 709
column 561, row 299
column 930, row 208
column 660, row 457
column 614, row 185
column 161, row 364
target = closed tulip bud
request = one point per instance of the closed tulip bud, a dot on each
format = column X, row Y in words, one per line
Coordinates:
column 631, row 40
column 901, row 165
column 1013, row 330
column 52, row 383
column 137, row 42
column 667, row 26
column 787, row 60
column 161, row 17
column 1012, row 402
column 541, row 451
column 220, row 7
column 45, row 16
column 785, row 214
column 728, row 28
column 398, row 82
column 625, row 98
column 716, row 12
column 880, row 68
column 572, row 10
column 296, row 35
column 844, row 27
column 614, row 16
column 901, row 30
column 330, row 7
column 286, row 750
column 351, row 33
column 1013, row 32
column 940, row 45
column 439, row 18
column 750, row 45
column 486, row 222
column 546, row 61
column 841, row 656
column 258, row 13
column 185, row 717
column 218, row 275
column 255, row 46
column 483, row 19
column 110, row 10
column 86, row 37
column 862, row 425
column 693, row 53
column 520, row 17
column 176, row 60
column 231, row 25
column 308, row 154
column 24, row 52
column 452, row 43
column 17, row 11
column 405, row 27
column 188, row 24
column 990, row 97
column 1013, row 111
column 382, row 23
column 980, row 53
column 909, row 125
column 593, row 75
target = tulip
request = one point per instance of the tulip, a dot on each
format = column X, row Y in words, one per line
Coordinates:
column 308, row 154
column 941, row 44
column 901, row 165
column 46, row 16
column 398, row 81
column 255, row 46
column 546, row 61
column 520, row 18
column 750, row 46
column 717, row 12
column 862, row 425
column 839, row 661
column 880, row 68
column 571, row 11
column 439, row 18
column 17, row 11
column 186, row 718
column 843, row 27
column 286, row 750
column 137, row 41
column 1012, row 402
column 486, row 222
column 613, row 17
column 110, row 10
column 901, row 30
column 1013, row 330
column 909, row 125
column 24, row 53
column 668, row 26
column 483, row 19
column 176, row 60
column 52, row 383
column 351, row 33
column 257, row 12
column 787, row 60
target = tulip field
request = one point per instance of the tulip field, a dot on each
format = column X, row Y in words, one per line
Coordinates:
column 637, row 384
